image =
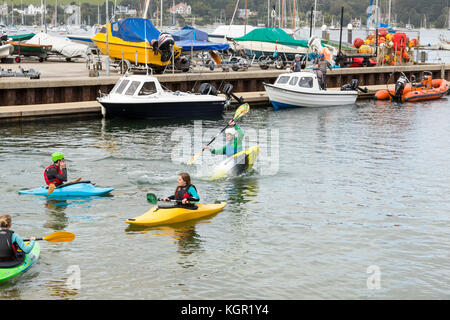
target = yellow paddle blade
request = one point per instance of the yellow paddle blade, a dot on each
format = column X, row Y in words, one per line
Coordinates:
column 60, row 236
column 243, row 109
column 194, row 157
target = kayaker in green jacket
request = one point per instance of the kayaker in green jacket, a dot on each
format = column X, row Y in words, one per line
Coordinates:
column 234, row 136
column 10, row 242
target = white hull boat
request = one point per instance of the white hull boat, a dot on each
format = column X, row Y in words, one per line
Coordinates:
column 6, row 50
column 141, row 96
column 301, row 89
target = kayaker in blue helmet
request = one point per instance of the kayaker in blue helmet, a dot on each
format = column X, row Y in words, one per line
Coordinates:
column 234, row 136
column 10, row 242
column 185, row 192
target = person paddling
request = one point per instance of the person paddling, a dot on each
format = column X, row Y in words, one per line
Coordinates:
column 234, row 136
column 10, row 242
column 56, row 174
column 185, row 192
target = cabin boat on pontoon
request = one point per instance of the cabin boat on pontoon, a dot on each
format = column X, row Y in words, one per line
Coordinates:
column 302, row 89
column 142, row 96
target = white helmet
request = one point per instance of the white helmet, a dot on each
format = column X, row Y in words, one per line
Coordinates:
column 231, row 131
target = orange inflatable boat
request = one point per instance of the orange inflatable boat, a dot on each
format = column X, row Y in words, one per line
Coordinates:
column 426, row 89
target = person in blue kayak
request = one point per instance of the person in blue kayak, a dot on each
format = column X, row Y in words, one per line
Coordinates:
column 185, row 192
column 10, row 243
column 234, row 137
column 56, row 174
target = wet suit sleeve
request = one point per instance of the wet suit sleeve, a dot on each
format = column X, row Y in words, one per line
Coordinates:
column 240, row 137
column 53, row 173
column 18, row 240
column 193, row 194
column 219, row 151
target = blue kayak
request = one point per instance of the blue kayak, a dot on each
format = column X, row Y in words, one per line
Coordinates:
column 79, row 189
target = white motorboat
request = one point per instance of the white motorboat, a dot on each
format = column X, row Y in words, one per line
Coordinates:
column 301, row 89
column 5, row 48
column 444, row 43
column 141, row 96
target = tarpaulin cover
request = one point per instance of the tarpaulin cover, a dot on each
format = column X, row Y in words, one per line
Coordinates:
column 194, row 45
column 134, row 30
column 273, row 35
column 191, row 39
column 190, row 33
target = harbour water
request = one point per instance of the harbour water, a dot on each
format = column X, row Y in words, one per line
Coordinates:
column 345, row 202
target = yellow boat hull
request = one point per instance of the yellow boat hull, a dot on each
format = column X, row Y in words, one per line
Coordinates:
column 236, row 164
column 160, row 216
column 135, row 52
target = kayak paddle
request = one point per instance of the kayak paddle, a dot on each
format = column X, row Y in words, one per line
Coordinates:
column 243, row 109
column 59, row 236
column 153, row 199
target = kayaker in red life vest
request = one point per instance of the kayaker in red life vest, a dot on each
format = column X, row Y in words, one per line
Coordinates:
column 185, row 191
column 56, row 174
column 10, row 242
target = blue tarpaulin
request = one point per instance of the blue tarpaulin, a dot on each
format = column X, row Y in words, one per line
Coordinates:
column 134, row 30
column 191, row 39
column 190, row 33
column 194, row 45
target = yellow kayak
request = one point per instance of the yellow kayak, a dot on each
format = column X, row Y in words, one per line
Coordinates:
column 236, row 164
column 160, row 216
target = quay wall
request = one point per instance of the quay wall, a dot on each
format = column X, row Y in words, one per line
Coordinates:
column 20, row 91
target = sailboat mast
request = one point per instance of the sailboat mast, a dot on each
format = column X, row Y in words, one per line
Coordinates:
column 281, row 13
column 147, row 4
column 389, row 13
column 245, row 23
column 315, row 10
column 293, row 16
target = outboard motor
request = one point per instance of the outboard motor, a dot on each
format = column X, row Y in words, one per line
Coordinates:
column 207, row 89
column 352, row 86
column 227, row 91
column 165, row 41
column 399, row 87
column 165, row 44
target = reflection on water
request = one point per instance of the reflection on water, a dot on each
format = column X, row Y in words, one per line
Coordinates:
column 242, row 189
column 55, row 210
column 58, row 289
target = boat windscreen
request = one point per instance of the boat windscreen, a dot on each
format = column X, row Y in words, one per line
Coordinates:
column 147, row 89
column 132, row 88
column 283, row 80
column 306, row 82
column 293, row 81
column 118, row 88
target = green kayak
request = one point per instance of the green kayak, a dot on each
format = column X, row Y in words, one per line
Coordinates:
column 30, row 259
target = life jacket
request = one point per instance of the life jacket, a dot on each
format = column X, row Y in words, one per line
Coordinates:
column 183, row 193
column 8, row 250
column 54, row 181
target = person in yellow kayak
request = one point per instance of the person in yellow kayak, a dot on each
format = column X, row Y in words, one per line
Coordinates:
column 234, row 137
column 10, row 243
column 56, row 174
column 185, row 192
